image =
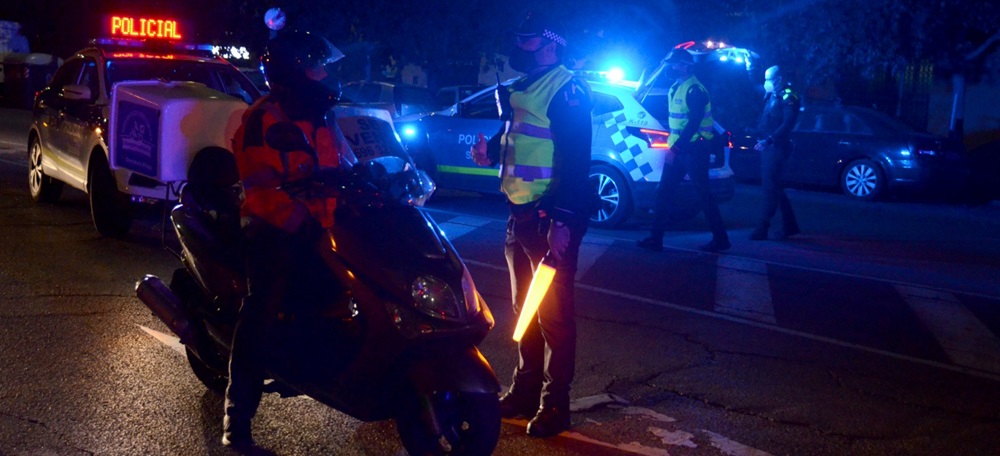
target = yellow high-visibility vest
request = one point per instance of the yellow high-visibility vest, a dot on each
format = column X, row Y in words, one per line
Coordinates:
column 527, row 167
column 679, row 112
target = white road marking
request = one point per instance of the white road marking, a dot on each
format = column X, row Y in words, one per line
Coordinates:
column 742, row 289
column 966, row 340
column 675, row 438
column 732, row 448
column 991, row 375
column 166, row 339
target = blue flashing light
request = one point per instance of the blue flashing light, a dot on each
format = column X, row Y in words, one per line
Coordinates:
column 409, row 131
column 615, row 75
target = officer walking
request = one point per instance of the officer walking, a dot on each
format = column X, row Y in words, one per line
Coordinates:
column 781, row 109
column 283, row 227
column 544, row 150
column 691, row 146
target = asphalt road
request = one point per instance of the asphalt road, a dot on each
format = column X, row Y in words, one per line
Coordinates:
column 875, row 332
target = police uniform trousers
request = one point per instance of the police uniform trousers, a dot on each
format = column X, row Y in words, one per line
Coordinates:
column 693, row 161
column 548, row 348
column 772, row 168
column 277, row 265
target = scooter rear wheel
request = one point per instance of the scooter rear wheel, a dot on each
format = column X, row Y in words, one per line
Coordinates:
column 469, row 424
column 214, row 379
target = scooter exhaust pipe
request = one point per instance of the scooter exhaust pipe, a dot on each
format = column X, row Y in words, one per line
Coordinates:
column 166, row 306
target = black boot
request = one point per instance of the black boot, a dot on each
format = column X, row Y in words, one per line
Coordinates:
column 518, row 406
column 549, row 421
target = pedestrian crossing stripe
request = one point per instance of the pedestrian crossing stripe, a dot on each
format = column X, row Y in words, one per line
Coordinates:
column 743, row 295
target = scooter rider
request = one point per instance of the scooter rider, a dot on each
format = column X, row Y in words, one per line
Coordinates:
column 282, row 226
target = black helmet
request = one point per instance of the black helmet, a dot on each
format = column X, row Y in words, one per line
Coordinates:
column 681, row 56
column 290, row 54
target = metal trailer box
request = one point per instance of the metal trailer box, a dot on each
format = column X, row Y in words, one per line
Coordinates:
column 157, row 128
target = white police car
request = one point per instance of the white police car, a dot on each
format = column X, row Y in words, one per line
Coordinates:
column 123, row 119
column 627, row 155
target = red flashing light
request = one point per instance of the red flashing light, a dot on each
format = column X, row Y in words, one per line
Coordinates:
column 132, row 27
column 657, row 139
column 139, row 55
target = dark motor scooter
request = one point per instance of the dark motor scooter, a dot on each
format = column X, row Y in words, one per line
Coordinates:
column 395, row 338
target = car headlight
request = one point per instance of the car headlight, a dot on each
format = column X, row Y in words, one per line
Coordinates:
column 435, row 297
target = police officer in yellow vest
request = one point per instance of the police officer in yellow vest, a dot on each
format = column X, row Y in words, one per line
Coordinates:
column 544, row 150
column 690, row 141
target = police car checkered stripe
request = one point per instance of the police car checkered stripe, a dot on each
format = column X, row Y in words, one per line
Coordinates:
column 634, row 156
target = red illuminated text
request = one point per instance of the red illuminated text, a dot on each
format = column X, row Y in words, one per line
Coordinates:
column 144, row 28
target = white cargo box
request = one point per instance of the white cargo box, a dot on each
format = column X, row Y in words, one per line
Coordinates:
column 157, row 127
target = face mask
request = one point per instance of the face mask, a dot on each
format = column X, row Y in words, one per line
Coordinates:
column 521, row 60
column 768, row 86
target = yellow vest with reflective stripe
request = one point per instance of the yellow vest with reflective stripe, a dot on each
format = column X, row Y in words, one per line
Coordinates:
column 527, row 167
column 679, row 113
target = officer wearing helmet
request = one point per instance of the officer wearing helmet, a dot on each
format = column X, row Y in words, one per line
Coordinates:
column 691, row 144
column 282, row 226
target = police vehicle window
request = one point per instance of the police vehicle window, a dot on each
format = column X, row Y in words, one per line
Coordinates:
column 237, row 87
column 807, row 121
column 89, row 78
column 368, row 93
column 67, row 74
column 604, row 103
column 414, row 98
column 657, row 102
column 484, row 107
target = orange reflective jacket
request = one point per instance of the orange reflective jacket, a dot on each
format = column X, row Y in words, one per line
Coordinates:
column 263, row 170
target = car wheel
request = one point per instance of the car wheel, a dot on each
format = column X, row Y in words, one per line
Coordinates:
column 109, row 208
column 43, row 188
column 614, row 194
column 862, row 179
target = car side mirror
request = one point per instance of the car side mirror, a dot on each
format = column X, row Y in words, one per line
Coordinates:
column 286, row 137
column 76, row 92
column 461, row 109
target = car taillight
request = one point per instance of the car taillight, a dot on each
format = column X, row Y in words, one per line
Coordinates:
column 656, row 139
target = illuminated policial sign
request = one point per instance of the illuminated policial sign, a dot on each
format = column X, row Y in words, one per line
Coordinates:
column 143, row 27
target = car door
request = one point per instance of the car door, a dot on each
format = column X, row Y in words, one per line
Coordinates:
column 81, row 121
column 50, row 112
column 451, row 137
column 820, row 139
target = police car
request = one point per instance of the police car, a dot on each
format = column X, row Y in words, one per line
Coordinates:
column 627, row 155
column 122, row 119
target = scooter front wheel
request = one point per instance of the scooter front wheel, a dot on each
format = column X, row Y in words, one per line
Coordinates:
column 450, row 424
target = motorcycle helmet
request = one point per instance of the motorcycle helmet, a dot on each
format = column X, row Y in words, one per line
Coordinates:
column 290, row 54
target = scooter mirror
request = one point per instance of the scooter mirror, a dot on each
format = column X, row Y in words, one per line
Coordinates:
column 286, row 137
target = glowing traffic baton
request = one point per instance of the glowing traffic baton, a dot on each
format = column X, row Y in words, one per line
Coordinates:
column 540, row 283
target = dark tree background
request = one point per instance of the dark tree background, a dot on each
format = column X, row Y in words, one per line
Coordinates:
column 851, row 49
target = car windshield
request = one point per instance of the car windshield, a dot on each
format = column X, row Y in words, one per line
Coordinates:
column 213, row 75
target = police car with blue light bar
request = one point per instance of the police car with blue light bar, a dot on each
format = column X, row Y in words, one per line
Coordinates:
column 122, row 119
column 627, row 155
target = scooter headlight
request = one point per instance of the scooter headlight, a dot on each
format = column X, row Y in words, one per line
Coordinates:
column 435, row 297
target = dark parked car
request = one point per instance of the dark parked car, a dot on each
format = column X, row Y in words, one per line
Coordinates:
column 862, row 152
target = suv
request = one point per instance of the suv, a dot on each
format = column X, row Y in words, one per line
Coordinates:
column 68, row 139
column 627, row 155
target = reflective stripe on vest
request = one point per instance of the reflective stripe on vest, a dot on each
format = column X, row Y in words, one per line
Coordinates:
column 527, row 168
column 679, row 113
